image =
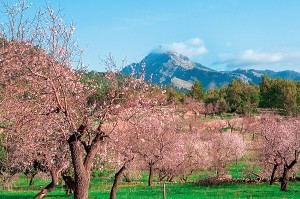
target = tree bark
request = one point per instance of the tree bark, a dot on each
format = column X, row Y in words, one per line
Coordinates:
column 151, row 173
column 286, row 171
column 49, row 187
column 273, row 173
column 118, row 176
column 285, row 179
column 83, row 162
column 82, row 176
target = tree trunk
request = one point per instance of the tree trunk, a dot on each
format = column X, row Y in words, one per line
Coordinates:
column 285, row 179
column 82, row 176
column 83, row 162
column 69, row 183
column 49, row 187
column 31, row 183
column 161, row 176
column 183, row 179
column 151, row 173
column 127, row 178
column 170, row 178
column 118, row 176
column 273, row 173
column 286, row 171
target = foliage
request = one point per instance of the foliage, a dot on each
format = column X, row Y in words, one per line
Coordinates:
column 242, row 98
column 280, row 94
column 245, row 98
column 197, row 92
column 281, row 146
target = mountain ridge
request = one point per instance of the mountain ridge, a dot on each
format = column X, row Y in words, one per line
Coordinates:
column 172, row 68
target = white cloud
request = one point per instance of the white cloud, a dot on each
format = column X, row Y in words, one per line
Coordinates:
column 258, row 59
column 261, row 57
column 190, row 48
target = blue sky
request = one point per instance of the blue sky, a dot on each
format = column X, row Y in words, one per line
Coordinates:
column 220, row 34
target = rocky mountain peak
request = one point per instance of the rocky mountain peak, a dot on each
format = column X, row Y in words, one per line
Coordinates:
column 173, row 68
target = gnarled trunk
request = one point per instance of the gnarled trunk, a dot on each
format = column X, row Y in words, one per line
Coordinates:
column 51, row 186
column 118, row 176
column 83, row 162
column 151, row 173
column 82, row 182
column 82, row 176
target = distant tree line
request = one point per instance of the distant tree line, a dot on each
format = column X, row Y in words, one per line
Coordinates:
column 245, row 98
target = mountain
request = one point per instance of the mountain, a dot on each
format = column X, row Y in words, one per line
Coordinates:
column 172, row 68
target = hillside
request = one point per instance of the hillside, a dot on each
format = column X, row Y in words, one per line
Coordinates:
column 172, row 68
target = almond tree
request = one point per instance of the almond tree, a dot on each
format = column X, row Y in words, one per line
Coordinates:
column 47, row 145
column 57, row 90
column 28, row 75
column 189, row 153
column 43, row 59
column 197, row 154
column 33, row 133
column 170, row 165
column 225, row 147
column 31, row 136
column 268, row 148
column 123, row 140
column 121, row 144
column 194, row 106
column 281, row 145
column 156, row 135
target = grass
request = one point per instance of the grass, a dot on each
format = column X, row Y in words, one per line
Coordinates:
column 100, row 188
column 226, row 116
column 174, row 191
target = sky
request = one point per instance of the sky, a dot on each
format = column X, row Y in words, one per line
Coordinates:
column 220, row 34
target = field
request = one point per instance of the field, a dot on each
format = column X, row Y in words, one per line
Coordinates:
column 101, row 189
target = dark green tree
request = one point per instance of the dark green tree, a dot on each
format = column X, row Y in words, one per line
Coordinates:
column 265, row 86
column 250, row 98
column 289, row 92
column 242, row 97
column 197, row 92
column 234, row 96
column 280, row 94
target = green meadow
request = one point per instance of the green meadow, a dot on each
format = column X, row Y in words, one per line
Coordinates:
column 100, row 188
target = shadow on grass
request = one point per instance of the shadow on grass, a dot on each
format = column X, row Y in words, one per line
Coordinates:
column 14, row 196
column 59, row 196
column 23, row 196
